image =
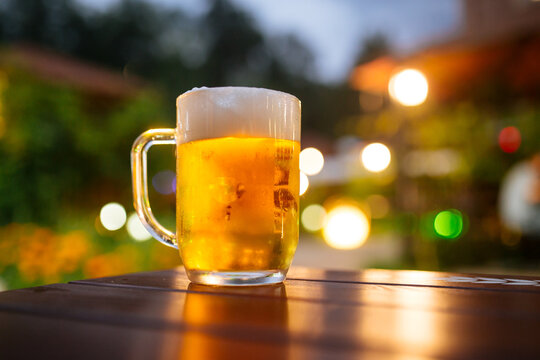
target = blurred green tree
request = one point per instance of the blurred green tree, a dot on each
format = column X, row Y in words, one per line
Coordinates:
column 55, row 154
column 373, row 47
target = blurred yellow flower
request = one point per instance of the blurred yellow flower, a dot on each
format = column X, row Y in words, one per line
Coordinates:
column 123, row 260
column 41, row 254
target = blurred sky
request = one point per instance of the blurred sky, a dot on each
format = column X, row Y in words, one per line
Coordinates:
column 333, row 29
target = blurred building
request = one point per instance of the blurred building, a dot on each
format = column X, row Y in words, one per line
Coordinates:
column 55, row 68
column 486, row 20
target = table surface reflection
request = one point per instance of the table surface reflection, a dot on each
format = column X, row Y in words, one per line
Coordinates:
column 315, row 314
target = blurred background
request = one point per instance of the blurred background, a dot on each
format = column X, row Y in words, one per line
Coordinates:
column 420, row 127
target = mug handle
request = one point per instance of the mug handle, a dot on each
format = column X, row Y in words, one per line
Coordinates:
column 140, row 183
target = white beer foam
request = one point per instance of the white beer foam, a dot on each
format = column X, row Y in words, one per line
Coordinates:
column 237, row 111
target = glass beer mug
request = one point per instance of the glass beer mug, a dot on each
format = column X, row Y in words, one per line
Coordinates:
column 237, row 184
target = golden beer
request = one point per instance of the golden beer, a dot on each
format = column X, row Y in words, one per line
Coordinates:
column 237, row 203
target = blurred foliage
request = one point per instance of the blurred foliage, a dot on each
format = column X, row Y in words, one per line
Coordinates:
column 373, row 47
column 62, row 159
column 57, row 154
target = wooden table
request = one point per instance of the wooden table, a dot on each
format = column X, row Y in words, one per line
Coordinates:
column 316, row 314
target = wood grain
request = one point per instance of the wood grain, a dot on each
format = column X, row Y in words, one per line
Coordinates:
column 314, row 314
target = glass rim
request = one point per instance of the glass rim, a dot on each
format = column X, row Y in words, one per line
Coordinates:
column 204, row 88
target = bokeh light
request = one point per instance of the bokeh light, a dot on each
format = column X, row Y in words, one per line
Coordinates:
column 409, row 87
column 346, row 227
column 112, row 216
column 509, row 139
column 313, row 217
column 448, row 224
column 304, row 183
column 164, row 182
column 311, row 161
column 136, row 229
column 376, row 157
column 433, row 163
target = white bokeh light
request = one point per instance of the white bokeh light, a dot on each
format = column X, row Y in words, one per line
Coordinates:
column 409, row 87
column 136, row 229
column 304, row 183
column 311, row 161
column 347, row 227
column 313, row 217
column 112, row 216
column 376, row 157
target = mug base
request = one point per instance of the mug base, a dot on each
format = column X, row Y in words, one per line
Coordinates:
column 237, row 278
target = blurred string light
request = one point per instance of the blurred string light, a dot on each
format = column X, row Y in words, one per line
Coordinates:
column 164, row 182
column 136, row 229
column 313, row 217
column 448, row 224
column 311, row 161
column 434, row 163
column 304, row 183
column 376, row 157
column 509, row 139
column 409, row 87
column 346, row 227
column 112, row 216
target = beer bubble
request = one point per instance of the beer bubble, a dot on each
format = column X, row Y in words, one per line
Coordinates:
column 240, row 190
column 223, row 190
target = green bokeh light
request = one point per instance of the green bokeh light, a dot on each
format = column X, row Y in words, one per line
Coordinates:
column 448, row 224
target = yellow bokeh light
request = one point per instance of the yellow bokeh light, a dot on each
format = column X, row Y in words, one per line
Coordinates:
column 311, row 161
column 376, row 157
column 313, row 217
column 304, row 183
column 409, row 87
column 346, row 227
column 136, row 228
column 112, row 216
